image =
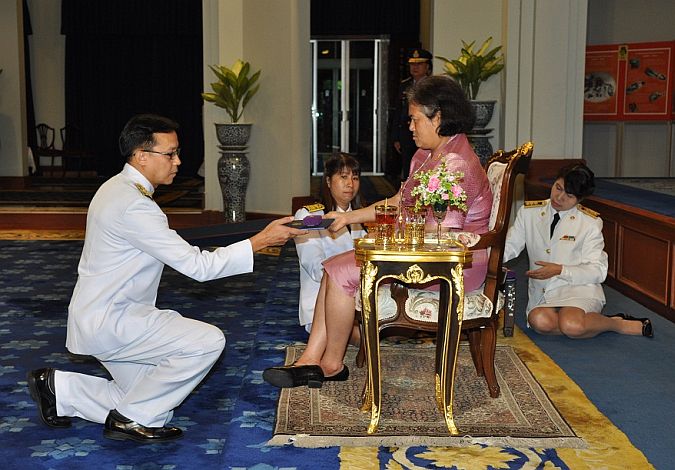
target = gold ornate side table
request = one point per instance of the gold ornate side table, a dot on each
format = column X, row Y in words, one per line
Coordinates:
column 426, row 262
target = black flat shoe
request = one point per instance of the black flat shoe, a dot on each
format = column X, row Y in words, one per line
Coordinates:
column 647, row 328
column 339, row 377
column 294, row 376
column 120, row 428
column 38, row 384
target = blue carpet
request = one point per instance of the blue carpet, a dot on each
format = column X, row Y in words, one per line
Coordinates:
column 229, row 418
column 628, row 378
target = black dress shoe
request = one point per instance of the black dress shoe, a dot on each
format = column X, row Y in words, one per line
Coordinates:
column 120, row 428
column 647, row 328
column 339, row 377
column 38, row 384
column 294, row 376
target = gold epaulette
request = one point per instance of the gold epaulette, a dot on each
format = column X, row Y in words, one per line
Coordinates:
column 535, row 203
column 588, row 212
column 314, row 207
column 143, row 191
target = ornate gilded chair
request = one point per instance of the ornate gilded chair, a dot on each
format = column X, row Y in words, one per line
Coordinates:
column 407, row 308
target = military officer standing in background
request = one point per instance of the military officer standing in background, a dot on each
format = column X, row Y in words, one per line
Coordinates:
column 420, row 67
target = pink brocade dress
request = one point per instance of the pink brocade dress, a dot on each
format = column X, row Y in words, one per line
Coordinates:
column 460, row 156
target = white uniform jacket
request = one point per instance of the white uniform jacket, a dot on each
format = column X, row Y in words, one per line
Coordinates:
column 128, row 241
column 313, row 249
column 577, row 244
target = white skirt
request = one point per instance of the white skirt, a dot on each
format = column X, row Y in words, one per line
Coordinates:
column 584, row 303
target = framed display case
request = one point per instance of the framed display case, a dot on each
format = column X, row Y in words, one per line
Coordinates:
column 629, row 82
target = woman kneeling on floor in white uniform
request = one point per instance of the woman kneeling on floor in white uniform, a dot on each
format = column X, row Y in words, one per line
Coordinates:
column 568, row 263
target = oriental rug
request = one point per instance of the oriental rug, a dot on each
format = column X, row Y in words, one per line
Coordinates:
column 522, row 416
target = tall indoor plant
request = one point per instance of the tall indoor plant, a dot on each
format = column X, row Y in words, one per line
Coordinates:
column 232, row 92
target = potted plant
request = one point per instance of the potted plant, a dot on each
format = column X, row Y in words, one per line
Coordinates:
column 471, row 69
column 232, row 92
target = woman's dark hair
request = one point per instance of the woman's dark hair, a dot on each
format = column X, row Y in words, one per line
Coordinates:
column 439, row 93
column 138, row 132
column 579, row 180
column 334, row 165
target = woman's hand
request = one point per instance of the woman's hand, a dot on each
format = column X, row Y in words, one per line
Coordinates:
column 547, row 270
column 341, row 220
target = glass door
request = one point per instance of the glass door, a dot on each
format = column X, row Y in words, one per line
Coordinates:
column 348, row 94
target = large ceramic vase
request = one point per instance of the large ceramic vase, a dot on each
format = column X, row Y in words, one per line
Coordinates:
column 234, row 169
column 479, row 135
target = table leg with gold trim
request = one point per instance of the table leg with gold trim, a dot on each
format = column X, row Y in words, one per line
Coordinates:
column 447, row 343
column 372, row 398
column 420, row 266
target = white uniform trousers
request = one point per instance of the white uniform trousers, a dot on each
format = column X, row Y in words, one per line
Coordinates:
column 151, row 376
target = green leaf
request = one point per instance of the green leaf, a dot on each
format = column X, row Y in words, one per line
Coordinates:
column 234, row 88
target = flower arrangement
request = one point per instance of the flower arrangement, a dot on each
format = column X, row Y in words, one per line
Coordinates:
column 473, row 68
column 440, row 189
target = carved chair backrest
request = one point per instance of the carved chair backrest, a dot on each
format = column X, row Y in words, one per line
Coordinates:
column 502, row 170
column 45, row 134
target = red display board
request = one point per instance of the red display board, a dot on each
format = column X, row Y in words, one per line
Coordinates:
column 625, row 82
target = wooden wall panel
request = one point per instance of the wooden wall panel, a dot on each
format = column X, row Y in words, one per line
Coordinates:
column 642, row 263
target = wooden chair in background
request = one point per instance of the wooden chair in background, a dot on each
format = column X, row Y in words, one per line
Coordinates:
column 45, row 148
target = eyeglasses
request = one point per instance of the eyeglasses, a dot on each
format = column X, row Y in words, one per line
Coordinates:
column 170, row 155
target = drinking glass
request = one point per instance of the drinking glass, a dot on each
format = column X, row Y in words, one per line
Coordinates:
column 385, row 218
column 414, row 225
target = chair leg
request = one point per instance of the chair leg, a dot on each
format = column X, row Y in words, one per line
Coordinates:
column 488, row 340
column 474, row 337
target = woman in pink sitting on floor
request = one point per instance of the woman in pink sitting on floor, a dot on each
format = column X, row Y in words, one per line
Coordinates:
column 440, row 116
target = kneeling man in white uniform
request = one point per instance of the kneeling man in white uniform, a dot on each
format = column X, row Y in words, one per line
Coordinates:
column 156, row 357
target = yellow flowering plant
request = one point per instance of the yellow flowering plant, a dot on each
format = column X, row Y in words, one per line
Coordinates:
column 439, row 189
column 471, row 68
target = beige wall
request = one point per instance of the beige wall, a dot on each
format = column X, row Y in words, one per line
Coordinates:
column 13, row 160
column 276, row 42
column 470, row 20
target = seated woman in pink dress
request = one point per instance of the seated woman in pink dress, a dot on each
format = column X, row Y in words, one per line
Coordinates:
column 440, row 115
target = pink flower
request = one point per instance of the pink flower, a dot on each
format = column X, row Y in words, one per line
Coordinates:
column 433, row 184
column 445, row 196
column 456, row 190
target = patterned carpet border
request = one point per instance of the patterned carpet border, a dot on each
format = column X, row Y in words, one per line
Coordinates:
column 523, row 415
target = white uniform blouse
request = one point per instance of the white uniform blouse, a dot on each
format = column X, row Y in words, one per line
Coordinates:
column 577, row 244
column 313, row 249
column 128, row 241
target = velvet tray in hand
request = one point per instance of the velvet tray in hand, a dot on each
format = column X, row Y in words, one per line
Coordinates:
column 311, row 224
